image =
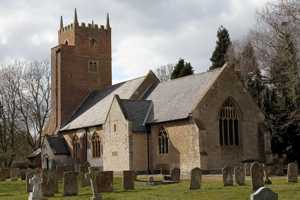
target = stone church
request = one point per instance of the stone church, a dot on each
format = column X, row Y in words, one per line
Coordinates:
column 205, row 120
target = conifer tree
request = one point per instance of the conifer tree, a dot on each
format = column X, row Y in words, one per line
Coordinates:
column 218, row 58
column 182, row 69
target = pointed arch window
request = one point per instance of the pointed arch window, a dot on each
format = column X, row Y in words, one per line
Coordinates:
column 163, row 141
column 76, row 148
column 229, row 124
column 97, row 146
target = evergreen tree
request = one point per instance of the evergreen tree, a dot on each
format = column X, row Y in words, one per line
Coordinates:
column 218, row 58
column 182, row 69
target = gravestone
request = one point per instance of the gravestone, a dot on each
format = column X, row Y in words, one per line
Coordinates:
column 14, row 173
column 175, row 174
column 48, row 183
column 264, row 193
column 257, row 176
column 227, row 176
column 84, row 180
column 6, row 173
column 70, row 184
column 239, row 175
column 59, row 172
column 2, row 175
column 267, row 173
column 104, row 181
column 29, row 175
column 92, row 175
column 23, row 174
column 292, row 172
column 196, row 177
column 36, row 193
column 128, row 180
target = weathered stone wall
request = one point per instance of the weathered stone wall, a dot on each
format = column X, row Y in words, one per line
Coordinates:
column 183, row 146
column 139, row 152
column 116, row 141
column 207, row 112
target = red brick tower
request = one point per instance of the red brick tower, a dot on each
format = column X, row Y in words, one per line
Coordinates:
column 80, row 63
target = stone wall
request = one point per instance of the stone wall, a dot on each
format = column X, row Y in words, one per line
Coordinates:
column 206, row 114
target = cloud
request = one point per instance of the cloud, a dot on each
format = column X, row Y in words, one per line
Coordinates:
column 145, row 34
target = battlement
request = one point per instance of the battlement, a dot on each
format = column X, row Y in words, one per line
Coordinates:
column 83, row 26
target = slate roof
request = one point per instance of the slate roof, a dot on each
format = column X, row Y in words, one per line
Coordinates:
column 176, row 99
column 136, row 112
column 58, row 145
column 95, row 108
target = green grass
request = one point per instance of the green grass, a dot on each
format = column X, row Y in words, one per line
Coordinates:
column 212, row 189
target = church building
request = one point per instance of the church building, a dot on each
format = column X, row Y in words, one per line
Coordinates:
column 205, row 120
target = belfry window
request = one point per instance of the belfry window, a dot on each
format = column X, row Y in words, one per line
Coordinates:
column 93, row 66
column 97, row 148
column 229, row 124
column 93, row 43
column 76, row 148
column 163, row 141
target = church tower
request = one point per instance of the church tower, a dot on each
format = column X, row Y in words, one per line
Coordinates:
column 80, row 63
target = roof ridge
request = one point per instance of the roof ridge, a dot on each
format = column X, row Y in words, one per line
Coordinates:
column 191, row 75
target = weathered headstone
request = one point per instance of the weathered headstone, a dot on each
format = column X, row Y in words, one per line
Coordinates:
column 59, row 171
column 104, row 181
column 227, row 176
column 48, row 183
column 196, row 177
column 29, row 175
column 36, row 193
column 264, row 193
column 292, row 172
column 70, row 184
column 92, row 175
column 267, row 173
column 128, row 180
column 239, row 175
column 2, row 175
column 175, row 174
column 23, row 174
column 14, row 173
column 257, row 176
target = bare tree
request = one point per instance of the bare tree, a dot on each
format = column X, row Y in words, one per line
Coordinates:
column 9, row 87
column 164, row 72
column 34, row 100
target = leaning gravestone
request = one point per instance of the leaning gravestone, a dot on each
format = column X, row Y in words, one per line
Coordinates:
column 29, row 175
column 227, row 176
column 257, row 175
column 196, row 176
column 239, row 175
column 36, row 193
column 175, row 175
column 48, row 183
column 264, row 193
column 70, row 184
column 128, row 180
column 292, row 172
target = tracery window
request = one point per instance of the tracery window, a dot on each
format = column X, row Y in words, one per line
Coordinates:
column 76, row 148
column 97, row 147
column 229, row 124
column 163, row 141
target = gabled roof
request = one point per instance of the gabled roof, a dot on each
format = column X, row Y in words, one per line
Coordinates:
column 95, row 108
column 176, row 99
column 58, row 145
column 135, row 111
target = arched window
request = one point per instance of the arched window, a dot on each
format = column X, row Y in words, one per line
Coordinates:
column 163, row 141
column 93, row 43
column 229, row 124
column 76, row 148
column 97, row 147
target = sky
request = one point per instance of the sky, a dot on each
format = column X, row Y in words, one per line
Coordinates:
column 145, row 34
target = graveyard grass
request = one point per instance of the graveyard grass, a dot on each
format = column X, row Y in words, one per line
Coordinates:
column 212, row 189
